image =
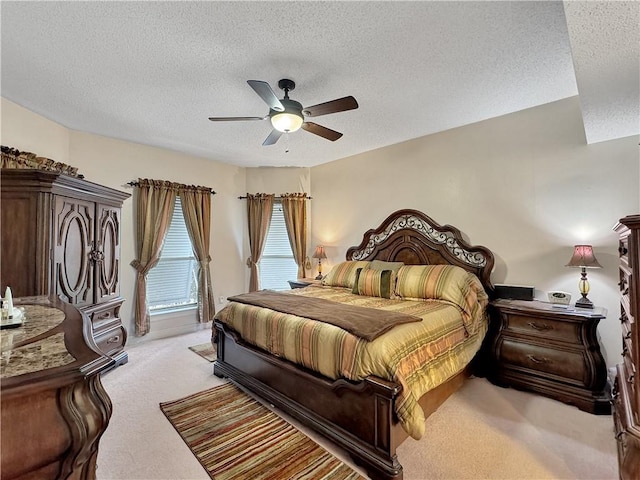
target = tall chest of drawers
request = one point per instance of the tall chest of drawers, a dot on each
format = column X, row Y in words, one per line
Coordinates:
column 626, row 389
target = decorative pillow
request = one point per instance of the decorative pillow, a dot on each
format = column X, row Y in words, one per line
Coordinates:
column 381, row 265
column 344, row 274
column 444, row 282
column 374, row 283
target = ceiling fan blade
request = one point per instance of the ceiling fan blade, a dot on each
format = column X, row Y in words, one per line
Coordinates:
column 266, row 93
column 235, row 119
column 339, row 105
column 272, row 138
column 321, row 131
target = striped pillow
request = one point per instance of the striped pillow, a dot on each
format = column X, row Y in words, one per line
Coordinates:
column 444, row 282
column 344, row 274
column 374, row 283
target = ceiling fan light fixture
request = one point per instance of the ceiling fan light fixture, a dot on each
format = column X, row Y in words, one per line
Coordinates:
column 286, row 121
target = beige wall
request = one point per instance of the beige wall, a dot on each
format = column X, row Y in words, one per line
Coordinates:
column 114, row 163
column 524, row 185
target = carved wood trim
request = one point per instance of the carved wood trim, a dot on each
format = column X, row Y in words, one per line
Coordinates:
column 414, row 238
column 86, row 408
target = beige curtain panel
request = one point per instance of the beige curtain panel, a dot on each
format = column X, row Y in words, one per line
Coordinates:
column 196, row 207
column 154, row 209
column 294, row 208
column 259, row 210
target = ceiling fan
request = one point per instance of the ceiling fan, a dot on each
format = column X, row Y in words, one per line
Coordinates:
column 287, row 115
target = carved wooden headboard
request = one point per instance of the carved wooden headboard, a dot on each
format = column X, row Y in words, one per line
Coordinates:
column 412, row 237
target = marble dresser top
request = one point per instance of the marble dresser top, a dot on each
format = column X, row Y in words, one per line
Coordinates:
column 35, row 345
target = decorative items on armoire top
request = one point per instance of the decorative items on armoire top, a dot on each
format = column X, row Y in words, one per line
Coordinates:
column 584, row 258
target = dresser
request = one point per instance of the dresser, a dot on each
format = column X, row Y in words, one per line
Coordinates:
column 626, row 384
column 54, row 408
column 61, row 236
column 552, row 351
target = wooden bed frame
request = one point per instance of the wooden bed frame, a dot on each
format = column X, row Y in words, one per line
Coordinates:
column 357, row 416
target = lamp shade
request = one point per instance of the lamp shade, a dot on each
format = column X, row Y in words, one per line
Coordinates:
column 286, row 121
column 319, row 253
column 583, row 257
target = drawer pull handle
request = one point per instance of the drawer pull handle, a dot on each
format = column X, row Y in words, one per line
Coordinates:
column 114, row 339
column 538, row 360
column 630, row 378
column 541, row 327
column 622, row 283
column 626, row 291
column 619, row 436
column 104, row 315
column 623, row 250
column 628, row 335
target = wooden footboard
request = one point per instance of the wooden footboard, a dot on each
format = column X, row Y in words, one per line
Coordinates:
column 357, row 416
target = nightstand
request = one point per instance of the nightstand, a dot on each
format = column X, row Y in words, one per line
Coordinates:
column 552, row 351
column 303, row 282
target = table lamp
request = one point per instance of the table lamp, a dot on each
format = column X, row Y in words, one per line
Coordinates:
column 319, row 254
column 584, row 258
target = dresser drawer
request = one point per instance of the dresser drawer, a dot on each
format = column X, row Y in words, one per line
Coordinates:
column 105, row 318
column 628, row 350
column 623, row 248
column 541, row 327
column 618, row 403
column 625, row 279
column 570, row 366
column 112, row 340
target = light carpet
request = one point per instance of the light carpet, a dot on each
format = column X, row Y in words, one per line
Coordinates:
column 205, row 350
column 234, row 436
column 481, row 432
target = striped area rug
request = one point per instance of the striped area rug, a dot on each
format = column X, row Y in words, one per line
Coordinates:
column 205, row 350
column 235, row 437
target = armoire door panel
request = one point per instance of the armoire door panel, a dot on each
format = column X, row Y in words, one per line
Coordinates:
column 108, row 248
column 73, row 244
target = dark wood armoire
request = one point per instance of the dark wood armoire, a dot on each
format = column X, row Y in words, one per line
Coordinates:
column 61, row 236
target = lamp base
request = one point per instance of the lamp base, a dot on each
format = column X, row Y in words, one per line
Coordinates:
column 584, row 302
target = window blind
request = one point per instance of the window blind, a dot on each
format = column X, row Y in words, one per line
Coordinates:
column 173, row 281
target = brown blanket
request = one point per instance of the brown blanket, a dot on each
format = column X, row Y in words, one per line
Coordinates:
column 364, row 322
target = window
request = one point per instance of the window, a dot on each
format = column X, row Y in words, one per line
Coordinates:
column 277, row 265
column 173, row 282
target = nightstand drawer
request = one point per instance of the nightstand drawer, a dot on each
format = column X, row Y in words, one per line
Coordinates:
column 542, row 327
column 568, row 365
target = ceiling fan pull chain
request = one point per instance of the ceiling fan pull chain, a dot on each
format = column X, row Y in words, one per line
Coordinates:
column 286, row 139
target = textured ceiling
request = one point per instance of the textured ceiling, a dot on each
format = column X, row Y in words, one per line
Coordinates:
column 152, row 72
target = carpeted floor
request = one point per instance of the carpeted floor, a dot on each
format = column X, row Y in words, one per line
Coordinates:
column 233, row 436
column 205, row 350
column 482, row 432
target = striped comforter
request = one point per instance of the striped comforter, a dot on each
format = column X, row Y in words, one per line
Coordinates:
column 419, row 356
